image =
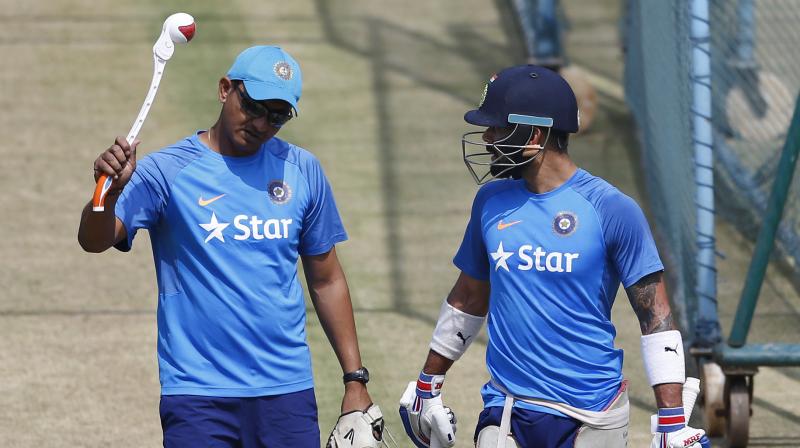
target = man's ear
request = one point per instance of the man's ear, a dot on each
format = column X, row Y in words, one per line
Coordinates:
column 536, row 143
column 225, row 88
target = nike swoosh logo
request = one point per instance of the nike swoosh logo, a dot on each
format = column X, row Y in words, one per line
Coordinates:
column 501, row 226
column 203, row 202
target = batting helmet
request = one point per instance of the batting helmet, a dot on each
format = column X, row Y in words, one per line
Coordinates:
column 522, row 97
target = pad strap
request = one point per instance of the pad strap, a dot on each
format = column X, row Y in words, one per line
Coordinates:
column 662, row 354
column 455, row 331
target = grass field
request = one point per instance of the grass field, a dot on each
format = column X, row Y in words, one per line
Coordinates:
column 385, row 88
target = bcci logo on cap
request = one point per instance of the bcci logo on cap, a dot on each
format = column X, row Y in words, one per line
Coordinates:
column 565, row 223
column 283, row 70
column 279, row 192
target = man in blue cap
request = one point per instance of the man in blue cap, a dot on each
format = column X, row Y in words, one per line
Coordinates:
column 544, row 252
column 229, row 212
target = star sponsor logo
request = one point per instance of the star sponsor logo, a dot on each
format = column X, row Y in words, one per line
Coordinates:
column 214, row 229
column 534, row 258
column 248, row 227
column 204, row 202
column 501, row 257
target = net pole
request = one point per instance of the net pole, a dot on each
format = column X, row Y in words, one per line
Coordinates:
column 707, row 329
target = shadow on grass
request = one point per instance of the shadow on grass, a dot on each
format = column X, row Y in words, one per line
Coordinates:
column 393, row 49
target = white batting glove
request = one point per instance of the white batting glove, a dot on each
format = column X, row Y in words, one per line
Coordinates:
column 427, row 421
column 358, row 429
column 671, row 431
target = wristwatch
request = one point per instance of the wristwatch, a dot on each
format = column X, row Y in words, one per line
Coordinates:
column 361, row 375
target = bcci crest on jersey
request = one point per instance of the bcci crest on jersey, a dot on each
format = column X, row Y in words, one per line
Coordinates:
column 565, row 223
column 279, row 192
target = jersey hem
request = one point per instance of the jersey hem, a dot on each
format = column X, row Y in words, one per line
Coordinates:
column 236, row 391
column 527, row 407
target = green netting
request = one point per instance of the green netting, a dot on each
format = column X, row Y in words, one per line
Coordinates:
column 755, row 78
column 658, row 89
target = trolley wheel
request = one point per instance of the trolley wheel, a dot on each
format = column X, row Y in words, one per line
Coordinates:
column 737, row 400
column 713, row 388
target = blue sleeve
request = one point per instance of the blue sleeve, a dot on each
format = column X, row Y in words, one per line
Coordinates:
column 471, row 257
column 142, row 200
column 322, row 226
column 628, row 238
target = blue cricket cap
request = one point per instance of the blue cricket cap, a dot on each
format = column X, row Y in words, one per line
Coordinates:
column 268, row 73
column 527, row 94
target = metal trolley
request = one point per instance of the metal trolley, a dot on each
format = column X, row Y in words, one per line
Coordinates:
column 728, row 367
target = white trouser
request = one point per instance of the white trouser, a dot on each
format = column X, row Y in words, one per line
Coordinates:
column 600, row 429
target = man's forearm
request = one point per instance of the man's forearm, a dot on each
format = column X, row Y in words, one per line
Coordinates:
column 669, row 395
column 436, row 364
column 335, row 312
column 649, row 300
column 97, row 231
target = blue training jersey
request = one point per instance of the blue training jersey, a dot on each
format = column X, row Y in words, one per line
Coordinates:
column 226, row 234
column 555, row 261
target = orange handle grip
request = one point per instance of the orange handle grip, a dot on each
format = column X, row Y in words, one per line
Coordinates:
column 100, row 192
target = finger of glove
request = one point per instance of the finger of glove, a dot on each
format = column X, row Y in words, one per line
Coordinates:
column 442, row 428
column 453, row 418
column 409, row 394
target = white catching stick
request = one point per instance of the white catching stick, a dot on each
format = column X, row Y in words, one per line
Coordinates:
column 179, row 28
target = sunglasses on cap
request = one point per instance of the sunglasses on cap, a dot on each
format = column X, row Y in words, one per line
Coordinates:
column 256, row 109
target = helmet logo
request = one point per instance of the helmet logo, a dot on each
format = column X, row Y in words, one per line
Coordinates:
column 486, row 89
column 283, row 70
column 565, row 223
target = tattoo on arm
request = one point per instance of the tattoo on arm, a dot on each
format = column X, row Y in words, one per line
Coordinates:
column 650, row 303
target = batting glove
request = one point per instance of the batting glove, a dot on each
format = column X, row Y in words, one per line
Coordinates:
column 671, row 431
column 427, row 421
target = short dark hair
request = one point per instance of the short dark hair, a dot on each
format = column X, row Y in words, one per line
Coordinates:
column 559, row 139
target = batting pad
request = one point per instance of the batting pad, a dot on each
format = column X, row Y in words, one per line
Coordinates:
column 455, row 330
column 662, row 354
